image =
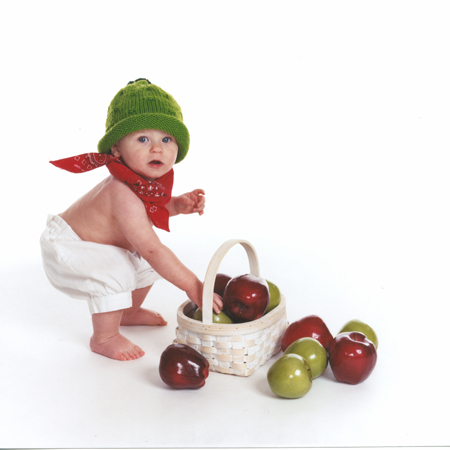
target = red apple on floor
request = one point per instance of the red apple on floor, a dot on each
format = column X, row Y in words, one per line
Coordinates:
column 246, row 298
column 352, row 357
column 310, row 326
column 220, row 283
column 183, row 367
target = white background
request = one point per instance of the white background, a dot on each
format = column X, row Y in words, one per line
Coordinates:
column 320, row 132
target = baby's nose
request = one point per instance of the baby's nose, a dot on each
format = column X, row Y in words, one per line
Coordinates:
column 156, row 148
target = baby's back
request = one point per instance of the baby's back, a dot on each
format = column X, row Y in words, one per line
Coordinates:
column 92, row 218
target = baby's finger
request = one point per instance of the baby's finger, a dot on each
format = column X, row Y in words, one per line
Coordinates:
column 201, row 201
column 188, row 199
column 198, row 195
column 218, row 300
column 199, row 207
column 218, row 304
column 200, row 211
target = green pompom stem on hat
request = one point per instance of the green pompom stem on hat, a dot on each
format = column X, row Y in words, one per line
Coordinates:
column 142, row 105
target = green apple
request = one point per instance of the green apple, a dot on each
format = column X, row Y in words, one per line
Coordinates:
column 313, row 351
column 290, row 376
column 275, row 296
column 358, row 325
column 217, row 318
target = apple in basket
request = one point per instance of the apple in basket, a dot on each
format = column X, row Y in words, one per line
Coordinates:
column 220, row 283
column 217, row 318
column 182, row 367
column 275, row 296
column 310, row 326
column 246, row 298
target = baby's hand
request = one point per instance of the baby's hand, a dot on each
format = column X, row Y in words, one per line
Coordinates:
column 196, row 293
column 191, row 202
column 217, row 303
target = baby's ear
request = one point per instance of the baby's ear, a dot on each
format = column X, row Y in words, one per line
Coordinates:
column 115, row 149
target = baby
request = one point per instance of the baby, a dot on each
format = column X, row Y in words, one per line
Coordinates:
column 103, row 248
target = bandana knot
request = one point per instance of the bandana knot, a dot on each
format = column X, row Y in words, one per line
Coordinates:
column 153, row 189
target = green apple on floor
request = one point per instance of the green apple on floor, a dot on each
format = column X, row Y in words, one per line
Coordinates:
column 358, row 325
column 290, row 376
column 313, row 351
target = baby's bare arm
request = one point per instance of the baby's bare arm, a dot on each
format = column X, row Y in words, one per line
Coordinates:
column 129, row 211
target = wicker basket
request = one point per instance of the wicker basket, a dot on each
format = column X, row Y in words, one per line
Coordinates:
column 234, row 349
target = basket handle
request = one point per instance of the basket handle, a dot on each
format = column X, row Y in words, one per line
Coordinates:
column 211, row 272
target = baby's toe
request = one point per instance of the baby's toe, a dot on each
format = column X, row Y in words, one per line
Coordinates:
column 137, row 352
column 123, row 356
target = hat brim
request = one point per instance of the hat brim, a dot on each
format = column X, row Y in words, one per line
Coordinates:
column 149, row 121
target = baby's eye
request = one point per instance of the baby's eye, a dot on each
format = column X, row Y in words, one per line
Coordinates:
column 143, row 139
column 166, row 140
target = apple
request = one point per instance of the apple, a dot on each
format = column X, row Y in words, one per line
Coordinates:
column 290, row 376
column 275, row 296
column 217, row 318
column 352, row 357
column 220, row 283
column 313, row 351
column 182, row 367
column 246, row 298
column 358, row 325
column 309, row 326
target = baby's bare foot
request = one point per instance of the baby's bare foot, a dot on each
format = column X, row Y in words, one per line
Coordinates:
column 142, row 317
column 116, row 347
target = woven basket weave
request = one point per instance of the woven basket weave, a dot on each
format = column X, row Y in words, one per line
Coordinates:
column 234, row 349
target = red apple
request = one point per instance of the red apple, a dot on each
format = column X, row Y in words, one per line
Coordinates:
column 246, row 298
column 309, row 326
column 352, row 357
column 220, row 283
column 183, row 367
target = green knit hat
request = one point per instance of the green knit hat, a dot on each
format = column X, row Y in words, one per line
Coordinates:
column 142, row 105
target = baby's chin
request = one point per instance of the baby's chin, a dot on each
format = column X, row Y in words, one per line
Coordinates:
column 158, row 174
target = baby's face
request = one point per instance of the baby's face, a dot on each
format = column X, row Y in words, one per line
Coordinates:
column 149, row 153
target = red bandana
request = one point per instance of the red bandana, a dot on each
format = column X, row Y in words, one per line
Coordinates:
column 154, row 194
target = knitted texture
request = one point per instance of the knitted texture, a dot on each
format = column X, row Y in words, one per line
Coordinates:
column 142, row 105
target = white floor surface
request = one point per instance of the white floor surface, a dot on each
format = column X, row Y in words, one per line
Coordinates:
column 56, row 393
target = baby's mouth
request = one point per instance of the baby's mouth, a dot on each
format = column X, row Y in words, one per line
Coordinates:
column 155, row 163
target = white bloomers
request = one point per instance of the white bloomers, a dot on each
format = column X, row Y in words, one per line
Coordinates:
column 104, row 275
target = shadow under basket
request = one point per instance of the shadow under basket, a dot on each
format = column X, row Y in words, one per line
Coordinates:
column 233, row 349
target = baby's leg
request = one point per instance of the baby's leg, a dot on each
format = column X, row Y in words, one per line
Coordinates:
column 107, row 340
column 140, row 316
